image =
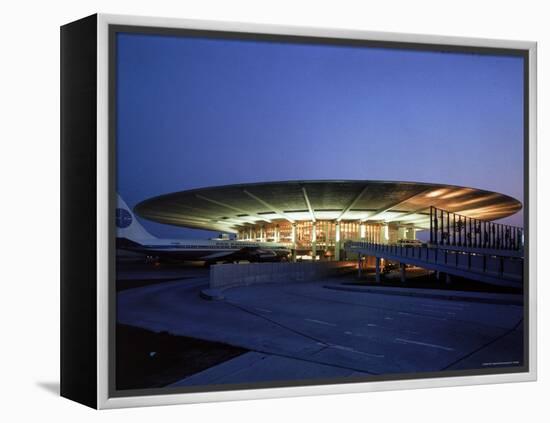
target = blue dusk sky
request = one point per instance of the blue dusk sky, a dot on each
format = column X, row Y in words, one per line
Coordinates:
column 197, row 112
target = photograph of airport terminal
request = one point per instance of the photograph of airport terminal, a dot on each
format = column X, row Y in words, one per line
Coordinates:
column 297, row 212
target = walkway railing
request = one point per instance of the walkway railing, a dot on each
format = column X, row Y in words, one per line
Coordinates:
column 447, row 228
column 496, row 267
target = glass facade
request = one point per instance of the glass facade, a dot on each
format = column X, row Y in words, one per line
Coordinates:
column 320, row 238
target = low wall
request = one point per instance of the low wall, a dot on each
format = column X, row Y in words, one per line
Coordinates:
column 228, row 275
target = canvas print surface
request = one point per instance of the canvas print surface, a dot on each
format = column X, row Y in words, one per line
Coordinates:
column 300, row 211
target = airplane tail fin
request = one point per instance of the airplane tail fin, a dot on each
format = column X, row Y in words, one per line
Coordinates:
column 127, row 226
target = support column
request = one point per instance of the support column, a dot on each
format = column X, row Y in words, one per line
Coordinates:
column 434, row 228
column 448, row 229
column 454, row 229
column 431, row 225
column 277, row 234
column 443, row 238
column 359, row 266
column 384, row 234
column 377, row 269
column 314, row 241
column 337, row 243
column 402, row 232
column 402, row 272
column 293, row 242
column 362, row 231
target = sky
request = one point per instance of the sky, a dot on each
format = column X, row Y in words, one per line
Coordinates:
column 197, row 112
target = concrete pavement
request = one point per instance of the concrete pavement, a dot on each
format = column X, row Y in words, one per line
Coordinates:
column 305, row 331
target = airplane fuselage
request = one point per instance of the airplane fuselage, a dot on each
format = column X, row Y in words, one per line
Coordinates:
column 206, row 250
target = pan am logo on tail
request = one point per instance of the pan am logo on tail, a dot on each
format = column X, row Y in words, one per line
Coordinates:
column 123, row 218
column 127, row 224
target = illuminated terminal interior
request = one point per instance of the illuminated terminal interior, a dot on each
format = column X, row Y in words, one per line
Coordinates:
column 315, row 218
column 319, row 238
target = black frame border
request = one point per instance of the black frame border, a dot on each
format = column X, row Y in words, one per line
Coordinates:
column 78, row 211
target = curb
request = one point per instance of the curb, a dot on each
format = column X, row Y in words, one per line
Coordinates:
column 211, row 294
column 440, row 296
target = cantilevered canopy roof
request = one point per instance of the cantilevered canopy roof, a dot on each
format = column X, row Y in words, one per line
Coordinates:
column 230, row 207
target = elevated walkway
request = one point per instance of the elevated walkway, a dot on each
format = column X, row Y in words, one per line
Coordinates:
column 498, row 267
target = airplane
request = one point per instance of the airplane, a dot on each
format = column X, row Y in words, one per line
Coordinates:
column 133, row 242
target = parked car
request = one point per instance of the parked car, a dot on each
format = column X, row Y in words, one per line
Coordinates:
column 388, row 267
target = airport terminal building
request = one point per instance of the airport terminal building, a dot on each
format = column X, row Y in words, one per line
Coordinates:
column 315, row 218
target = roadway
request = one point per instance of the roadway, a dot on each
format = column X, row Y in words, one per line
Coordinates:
column 306, row 331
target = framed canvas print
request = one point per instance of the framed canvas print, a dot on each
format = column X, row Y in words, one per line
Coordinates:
column 254, row 211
